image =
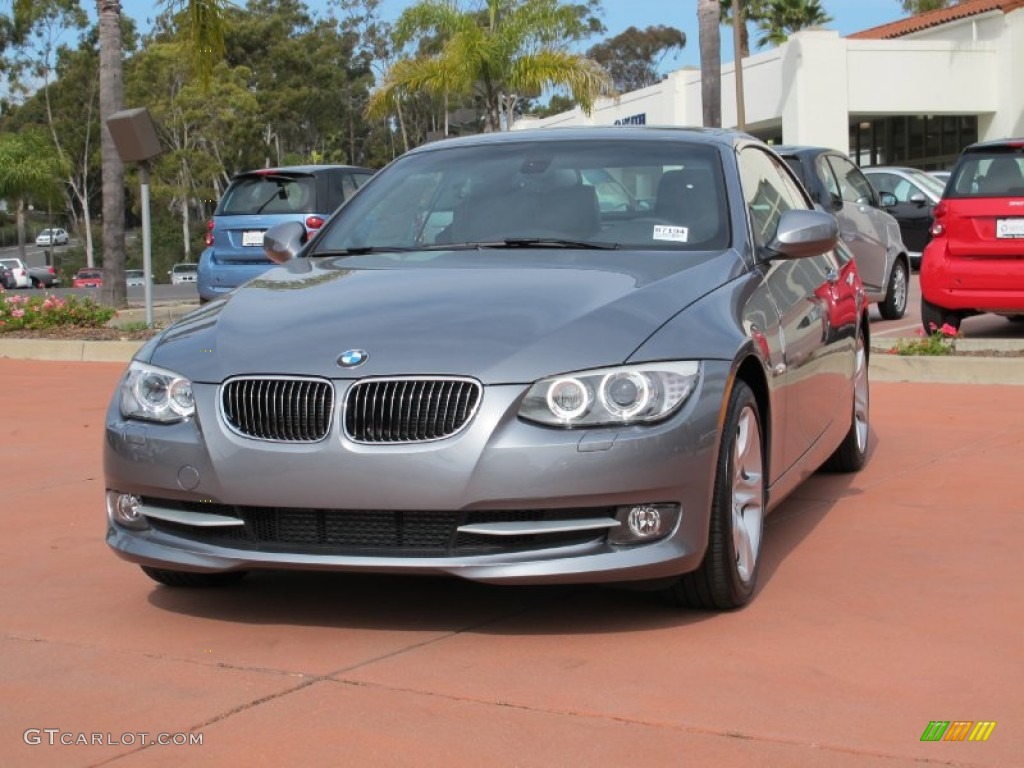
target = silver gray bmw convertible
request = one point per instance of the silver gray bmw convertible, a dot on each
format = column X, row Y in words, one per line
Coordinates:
column 587, row 355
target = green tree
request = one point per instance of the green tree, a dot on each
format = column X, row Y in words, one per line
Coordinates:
column 632, row 57
column 753, row 12
column 923, row 6
column 29, row 172
column 510, row 49
column 203, row 24
column 709, row 14
column 781, row 18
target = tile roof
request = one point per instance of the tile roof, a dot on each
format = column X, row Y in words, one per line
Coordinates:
column 962, row 10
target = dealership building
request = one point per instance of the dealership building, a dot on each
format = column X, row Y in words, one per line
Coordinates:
column 913, row 92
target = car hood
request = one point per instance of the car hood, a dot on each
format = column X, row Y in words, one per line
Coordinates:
column 521, row 316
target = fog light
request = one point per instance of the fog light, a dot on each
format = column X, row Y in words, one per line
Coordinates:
column 642, row 523
column 125, row 509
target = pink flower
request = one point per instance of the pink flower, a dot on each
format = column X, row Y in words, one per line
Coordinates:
column 17, row 313
column 919, row 331
column 948, row 330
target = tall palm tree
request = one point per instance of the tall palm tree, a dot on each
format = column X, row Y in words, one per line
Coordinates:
column 781, row 18
column 510, row 49
column 204, row 24
column 709, row 14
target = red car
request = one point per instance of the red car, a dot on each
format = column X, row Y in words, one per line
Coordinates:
column 975, row 260
column 88, row 278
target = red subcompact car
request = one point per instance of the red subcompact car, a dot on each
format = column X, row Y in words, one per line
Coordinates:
column 975, row 260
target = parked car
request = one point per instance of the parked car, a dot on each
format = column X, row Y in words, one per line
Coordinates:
column 52, row 237
column 909, row 195
column 19, row 270
column 134, row 278
column 531, row 393
column 7, row 280
column 975, row 260
column 256, row 201
column 183, row 273
column 44, row 277
column 88, row 278
column 839, row 187
column 942, row 176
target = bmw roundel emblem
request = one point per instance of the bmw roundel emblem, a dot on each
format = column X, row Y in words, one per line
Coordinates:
column 353, row 358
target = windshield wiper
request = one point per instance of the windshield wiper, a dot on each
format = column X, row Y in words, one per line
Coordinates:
column 362, row 250
column 526, row 242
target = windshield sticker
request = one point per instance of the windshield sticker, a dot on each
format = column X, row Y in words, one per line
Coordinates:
column 675, row 234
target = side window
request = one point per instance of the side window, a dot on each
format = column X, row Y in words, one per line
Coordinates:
column 853, row 187
column 885, row 182
column 348, row 186
column 827, row 178
column 768, row 190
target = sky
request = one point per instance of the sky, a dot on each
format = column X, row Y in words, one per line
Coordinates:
column 848, row 16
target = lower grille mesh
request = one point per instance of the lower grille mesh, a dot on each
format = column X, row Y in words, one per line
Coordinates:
column 398, row 533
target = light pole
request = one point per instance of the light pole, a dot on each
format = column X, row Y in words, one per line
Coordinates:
column 135, row 138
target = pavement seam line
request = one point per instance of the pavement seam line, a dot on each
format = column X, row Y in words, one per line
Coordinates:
column 159, row 657
column 217, row 718
column 692, row 729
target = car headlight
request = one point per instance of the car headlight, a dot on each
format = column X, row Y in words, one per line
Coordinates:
column 624, row 395
column 153, row 394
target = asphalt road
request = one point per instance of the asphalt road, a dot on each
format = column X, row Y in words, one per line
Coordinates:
column 889, row 599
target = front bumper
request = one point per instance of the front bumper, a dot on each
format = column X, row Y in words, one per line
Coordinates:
column 498, row 468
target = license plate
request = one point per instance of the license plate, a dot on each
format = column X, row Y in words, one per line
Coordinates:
column 252, row 238
column 1009, row 227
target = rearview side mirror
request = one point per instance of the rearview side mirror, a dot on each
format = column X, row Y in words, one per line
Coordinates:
column 283, row 242
column 803, row 233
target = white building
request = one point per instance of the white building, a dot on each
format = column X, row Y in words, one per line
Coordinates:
column 913, row 92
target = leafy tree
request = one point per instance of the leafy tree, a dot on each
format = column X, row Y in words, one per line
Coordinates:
column 204, row 26
column 632, row 57
column 784, row 17
column 753, row 11
column 923, row 6
column 29, row 171
column 510, row 49
column 709, row 15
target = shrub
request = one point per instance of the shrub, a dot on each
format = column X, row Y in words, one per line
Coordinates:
column 19, row 313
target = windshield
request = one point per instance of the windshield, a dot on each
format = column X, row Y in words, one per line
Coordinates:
column 269, row 193
column 989, row 174
column 607, row 193
column 184, row 268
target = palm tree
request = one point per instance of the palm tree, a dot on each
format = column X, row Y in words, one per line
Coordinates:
column 781, row 18
column 510, row 49
column 29, row 170
column 204, row 25
column 709, row 14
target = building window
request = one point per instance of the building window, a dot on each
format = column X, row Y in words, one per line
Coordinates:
column 928, row 142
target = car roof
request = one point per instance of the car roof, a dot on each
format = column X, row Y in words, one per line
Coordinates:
column 982, row 146
column 299, row 169
column 719, row 136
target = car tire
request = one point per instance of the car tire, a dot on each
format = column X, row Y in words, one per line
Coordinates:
column 895, row 305
column 728, row 574
column 934, row 317
column 192, row 579
column 852, row 453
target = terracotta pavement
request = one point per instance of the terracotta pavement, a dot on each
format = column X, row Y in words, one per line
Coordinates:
column 889, row 599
